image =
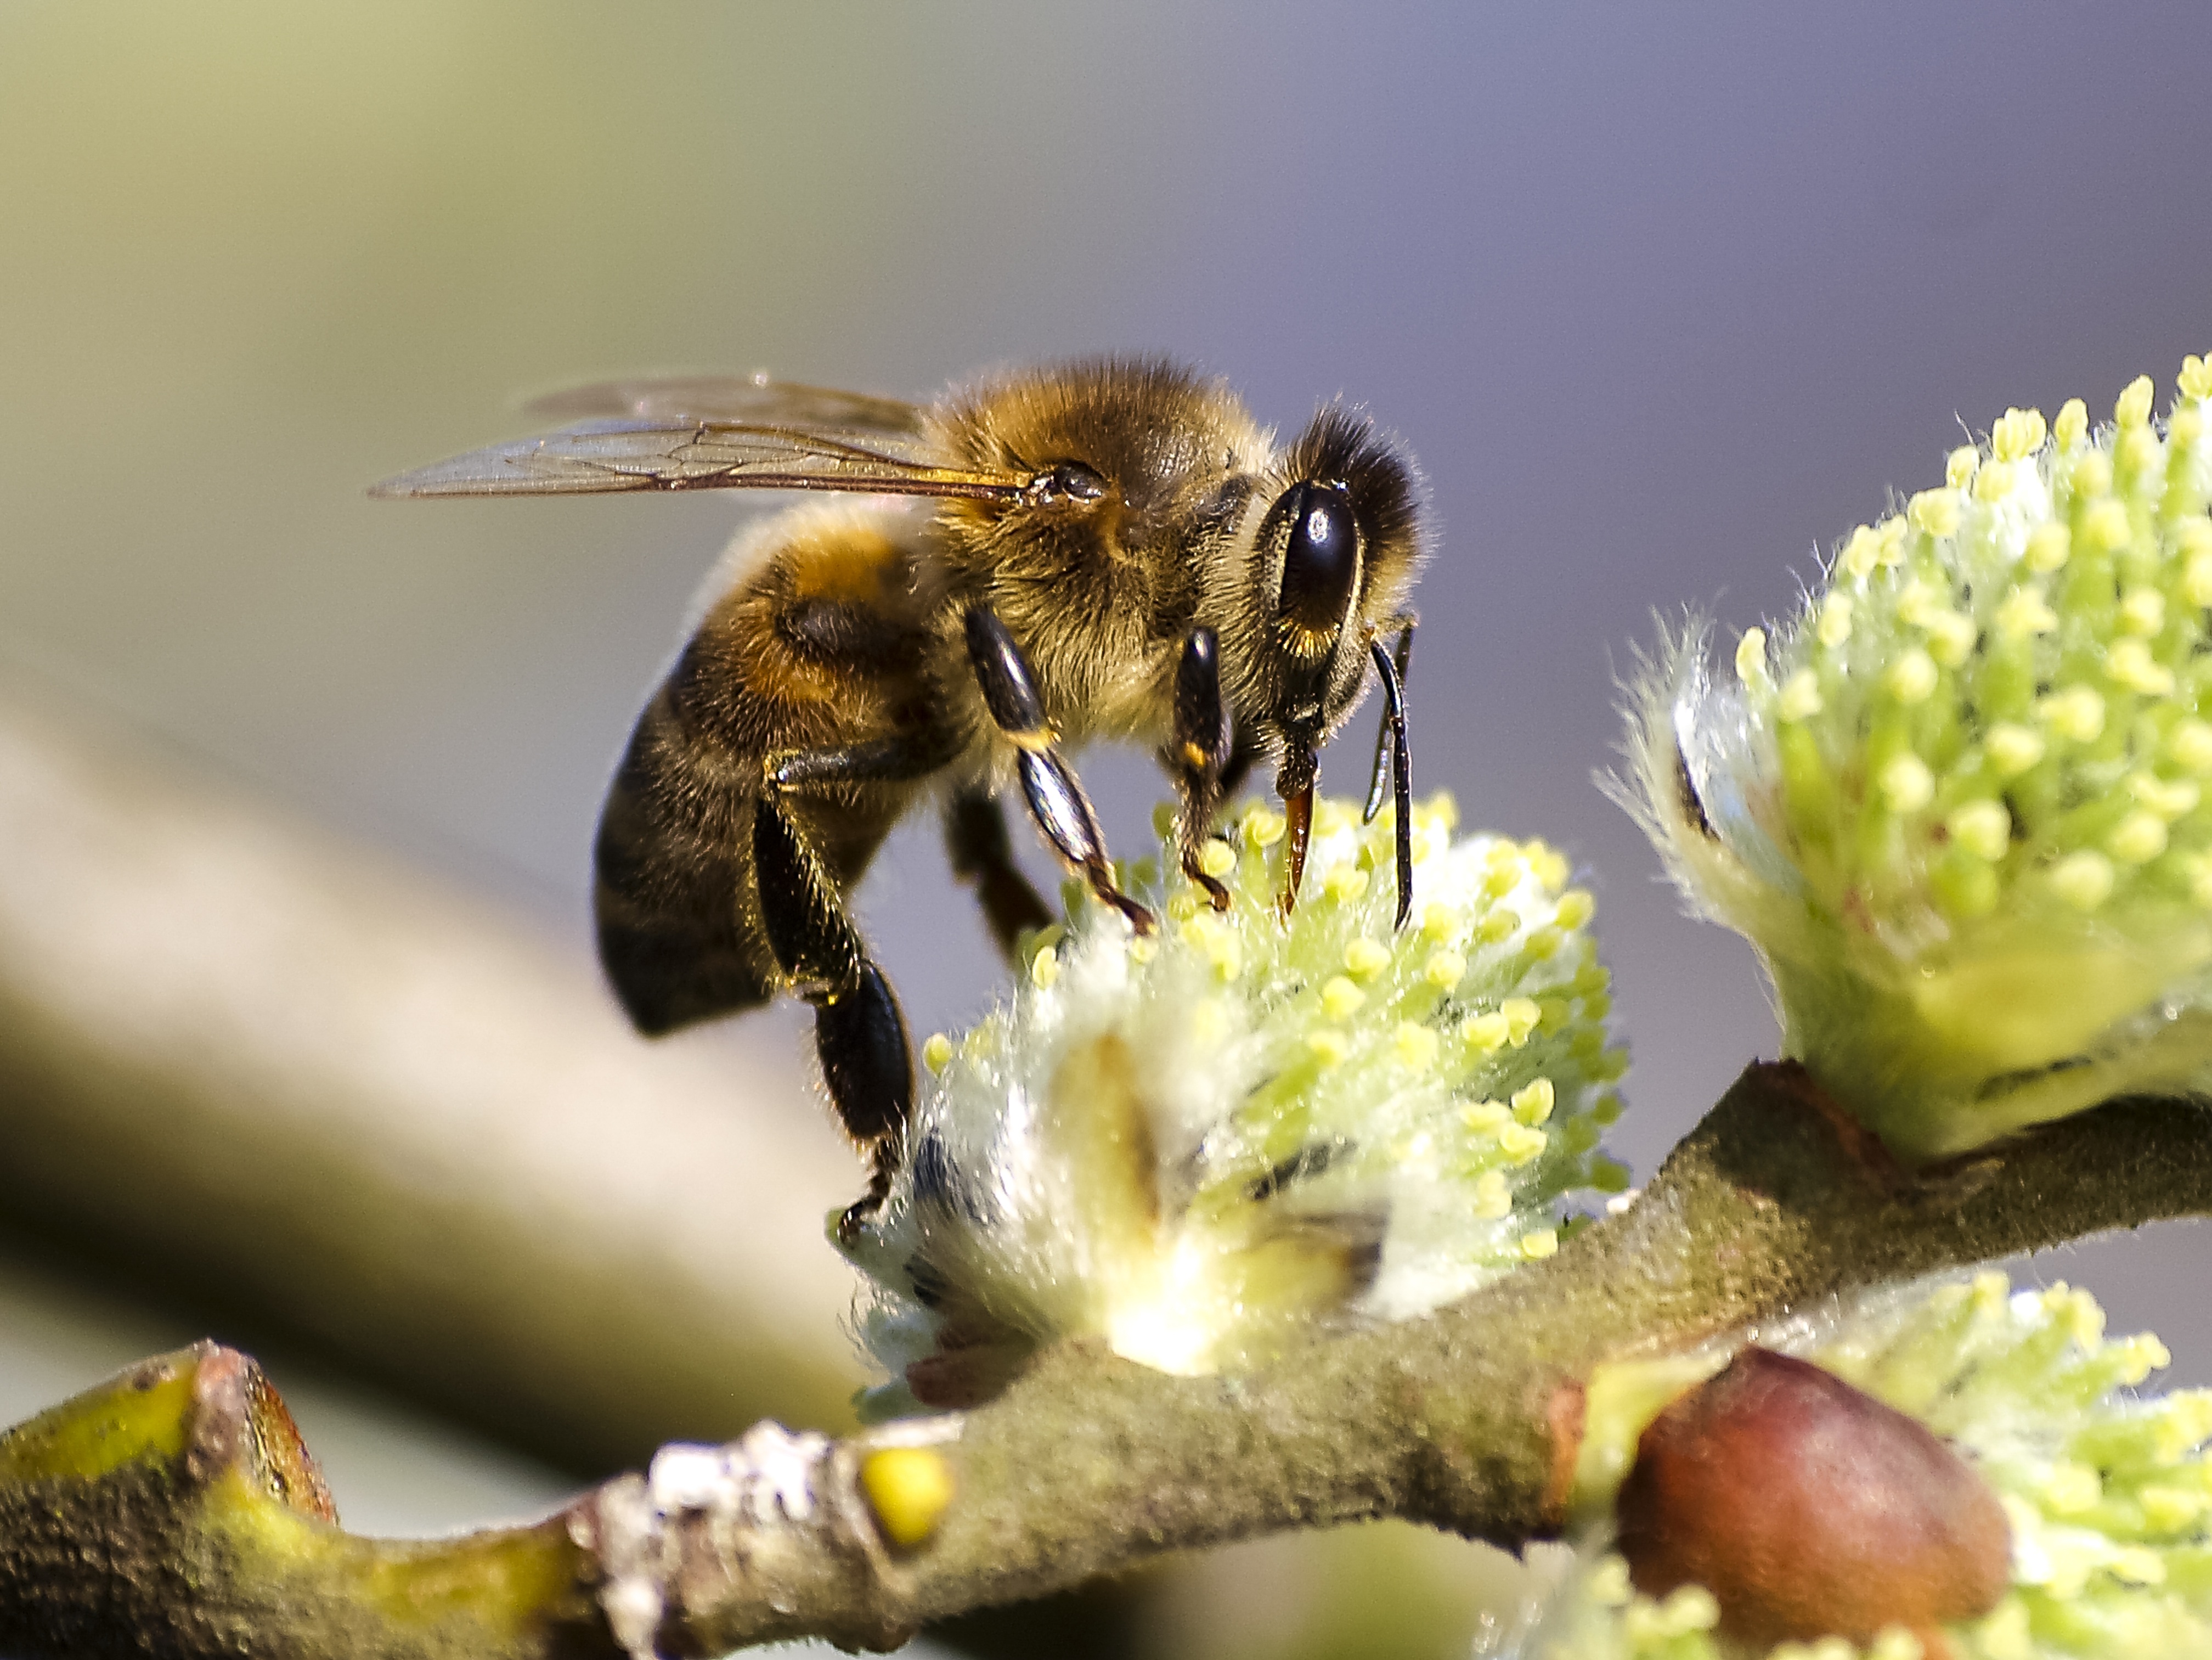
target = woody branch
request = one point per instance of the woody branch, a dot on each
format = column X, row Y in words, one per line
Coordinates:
column 1467, row 1420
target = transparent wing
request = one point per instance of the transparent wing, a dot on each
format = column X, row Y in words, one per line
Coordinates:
column 649, row 454
column 743, row 399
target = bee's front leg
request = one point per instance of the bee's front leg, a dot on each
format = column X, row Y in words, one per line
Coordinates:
column 1198, row 754
column 1056, row 800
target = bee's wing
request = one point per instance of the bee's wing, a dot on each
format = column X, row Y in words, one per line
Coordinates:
column 689, row 453
column 746, row 399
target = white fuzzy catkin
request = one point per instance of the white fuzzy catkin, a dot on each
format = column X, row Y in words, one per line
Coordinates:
column 1198, row 1144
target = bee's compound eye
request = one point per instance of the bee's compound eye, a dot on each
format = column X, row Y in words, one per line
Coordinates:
column 1321, row 560
column 1071, row 481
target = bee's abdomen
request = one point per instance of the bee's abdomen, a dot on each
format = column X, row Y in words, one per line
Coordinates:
column 674, row 872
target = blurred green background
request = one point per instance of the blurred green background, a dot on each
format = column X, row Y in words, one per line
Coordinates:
column 1666, row 299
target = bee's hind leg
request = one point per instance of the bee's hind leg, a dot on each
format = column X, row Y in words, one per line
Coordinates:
column 859, row 1032
column 976, row 837
column 1056, row 798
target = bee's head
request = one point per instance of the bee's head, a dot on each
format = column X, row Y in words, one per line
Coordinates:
column 1334, row 545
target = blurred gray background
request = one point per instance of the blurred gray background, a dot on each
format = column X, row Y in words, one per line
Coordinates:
column 1665, row 299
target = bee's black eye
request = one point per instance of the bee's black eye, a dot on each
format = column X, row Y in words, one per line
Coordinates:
column 1321, row 560
column 1071, row 481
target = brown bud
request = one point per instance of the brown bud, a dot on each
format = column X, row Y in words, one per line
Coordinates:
column 1809, row 1509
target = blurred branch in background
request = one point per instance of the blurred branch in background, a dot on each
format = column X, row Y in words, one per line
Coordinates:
column 256, row 1068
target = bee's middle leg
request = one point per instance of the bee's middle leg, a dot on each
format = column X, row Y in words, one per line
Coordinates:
column 858, row 1031
column 1056, row 798
column 976, row 837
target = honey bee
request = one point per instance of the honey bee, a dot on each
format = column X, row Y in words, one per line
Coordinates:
column 1104, row 549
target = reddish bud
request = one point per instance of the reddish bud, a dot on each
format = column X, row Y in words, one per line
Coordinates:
column 1809, row 1509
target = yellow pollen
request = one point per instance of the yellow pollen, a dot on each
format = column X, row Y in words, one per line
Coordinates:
column 1438, row 920
column 1835, row 627
column 2130, row 665
column 909, row 1489
column 2104, row 526
column 1539, row 1244
column 1519, row 1143
column 1443, row 968
column 1958, row 466
column 2195, row 378
column 937, row 1052
column 2137, row 838
column 1484, row 1116
column 1414, row 1045
column 1493, row 1199
column 2072, row 425
column 1982, row 827
column 2048, row 545
column 2143, row 611
column 1801, row 696
column 2137, row 452
column 1548, row 866
column 1521, row 1015
column 1857, row 560
column 2093, row 474
column 1366, row 957
column 1263, row 828
column 1911, row 677
column 2196, row 577
column 1950, row 638
column 2083, row 879
column 2024, row 612
column 2133, row 408
column 1044, row 969
column 2190, row 744
column 1340, row 999
column 1935, row 512
column 1217, row 858
column 2014, row 749
column 2184, row 427
column 1497, row 927
column 1906, row 783
column 1994, row 482
column 1488, row 1033
column 2076, row 712
column 1577, row 907
column 2017, row 435
column 1329, row 1047
column 1533, row 1104
column 1344, row 883
column 1917, row 601
column 1751, row 657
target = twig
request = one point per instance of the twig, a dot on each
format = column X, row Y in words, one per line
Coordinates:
column 1088, row 1462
